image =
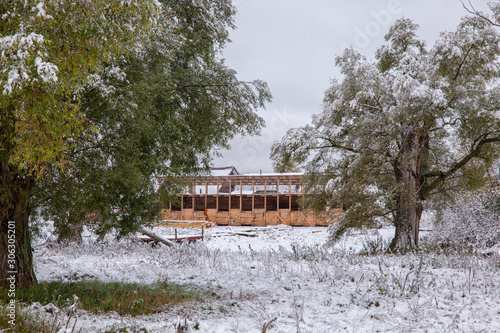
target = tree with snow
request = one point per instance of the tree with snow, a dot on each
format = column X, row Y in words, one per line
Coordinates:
column 160, row 112
column 99, row 97
column 406, row 130
column 47, row 51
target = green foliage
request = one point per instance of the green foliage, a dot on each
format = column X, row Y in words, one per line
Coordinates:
column 48, row 50
column 124, row 298
column 161, row 111
column 100, row 97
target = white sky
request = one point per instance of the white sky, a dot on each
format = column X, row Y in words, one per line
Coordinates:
column 292, row 44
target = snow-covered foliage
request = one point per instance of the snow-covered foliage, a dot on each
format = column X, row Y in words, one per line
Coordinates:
column 473, row 220
column 286, row 273
column 26, row 45
column 16, row 55
column 48, row 49
column 412, row 126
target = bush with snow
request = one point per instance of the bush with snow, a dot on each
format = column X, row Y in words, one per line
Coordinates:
column 473, row 220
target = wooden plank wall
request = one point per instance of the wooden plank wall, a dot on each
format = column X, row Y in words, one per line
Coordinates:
column 272, row 200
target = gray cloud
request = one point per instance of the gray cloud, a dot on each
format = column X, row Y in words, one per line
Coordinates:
column 291, row 44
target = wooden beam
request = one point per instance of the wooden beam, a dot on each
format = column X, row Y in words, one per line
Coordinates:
column 217, row 197
column 241, row 194
column 193, row 188
column 206, row 198
column 278, row 195
column 265, row 195
column 253, row 196
column 230, row 190
column 247, row 179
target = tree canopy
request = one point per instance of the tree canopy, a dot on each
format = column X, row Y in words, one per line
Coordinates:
column 48, row 48
column 99, row 98
column 160, row 112
column 47, row 51
column 407, row 129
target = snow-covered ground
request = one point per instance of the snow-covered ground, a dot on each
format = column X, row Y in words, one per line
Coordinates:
column 288, row 274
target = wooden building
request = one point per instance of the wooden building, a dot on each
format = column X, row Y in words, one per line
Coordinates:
column 246, row 200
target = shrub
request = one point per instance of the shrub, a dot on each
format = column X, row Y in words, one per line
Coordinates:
column 473, row 220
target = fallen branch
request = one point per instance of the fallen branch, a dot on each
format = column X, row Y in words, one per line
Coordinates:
column 156, row 237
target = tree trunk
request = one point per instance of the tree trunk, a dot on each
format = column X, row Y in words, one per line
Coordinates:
column 409, row 199
column 16, row 253
column 407, row 223
column 68, row 230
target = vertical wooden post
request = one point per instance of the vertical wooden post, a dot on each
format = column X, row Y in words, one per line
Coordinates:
column 290, row 197
column 182, row 204
column 230, row 188
column 169, row 202
column 217, row 197
column 206, row 195
column 194, row 194
column 253, row 195
column 241, row 195
column 265, row 195
column 278, row 195
column 253, row 201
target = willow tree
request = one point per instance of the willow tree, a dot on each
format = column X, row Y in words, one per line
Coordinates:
column 47, row 50
column 411, row 127
column 163, row 111
column 101, row 97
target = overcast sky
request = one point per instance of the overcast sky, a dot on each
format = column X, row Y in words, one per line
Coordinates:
column 292, row 44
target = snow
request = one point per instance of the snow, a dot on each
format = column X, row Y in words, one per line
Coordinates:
column 223, row 171
column 275, row 174
column 41, row 11
column 46, row 70
column 16, row 50
column 287, row 273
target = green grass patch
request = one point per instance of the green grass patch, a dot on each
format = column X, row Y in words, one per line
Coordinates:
column 124, row 298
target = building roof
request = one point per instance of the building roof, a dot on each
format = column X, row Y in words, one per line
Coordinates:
column 268, row 179
column 224, row 171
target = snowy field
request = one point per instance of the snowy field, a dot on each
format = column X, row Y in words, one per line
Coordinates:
column 288, row 274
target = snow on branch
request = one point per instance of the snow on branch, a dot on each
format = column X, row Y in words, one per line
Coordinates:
column 23, row 58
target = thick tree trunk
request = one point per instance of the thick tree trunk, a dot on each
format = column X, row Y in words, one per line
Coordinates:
column 409, row 200
column 16, row 253
column 407, row 223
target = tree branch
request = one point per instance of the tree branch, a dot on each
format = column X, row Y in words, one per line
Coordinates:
column 370, row 107
column 336, row 145
column 462, row 63
column 474, row 11
column 378, row 102
column 441, row 176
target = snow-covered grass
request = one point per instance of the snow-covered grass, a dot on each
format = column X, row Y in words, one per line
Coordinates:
column 286, row 273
